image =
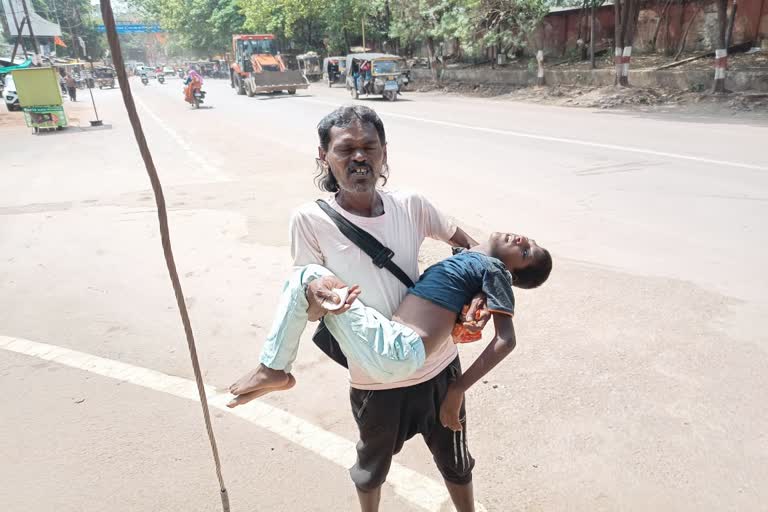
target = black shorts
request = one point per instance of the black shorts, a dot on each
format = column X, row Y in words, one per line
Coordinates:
column 387, row 418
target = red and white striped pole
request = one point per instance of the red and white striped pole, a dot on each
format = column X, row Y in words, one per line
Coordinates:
column 625, row 65
column 617, row 61
column 540, row 72
column 721, row 65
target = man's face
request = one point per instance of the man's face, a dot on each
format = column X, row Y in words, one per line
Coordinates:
column 355, row 156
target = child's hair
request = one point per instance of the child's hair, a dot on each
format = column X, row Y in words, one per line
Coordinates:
column 534, row 274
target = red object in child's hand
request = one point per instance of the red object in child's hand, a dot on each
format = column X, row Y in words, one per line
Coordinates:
column 461, row 334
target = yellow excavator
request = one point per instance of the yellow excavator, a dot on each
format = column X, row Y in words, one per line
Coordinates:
column 259, row 68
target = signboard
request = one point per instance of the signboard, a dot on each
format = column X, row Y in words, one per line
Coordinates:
column 40, row 97
column 52, row 116
column 14, row 13
column 133, row 28
column 37, row 87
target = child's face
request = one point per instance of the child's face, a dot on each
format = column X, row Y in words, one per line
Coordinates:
column 515, row 251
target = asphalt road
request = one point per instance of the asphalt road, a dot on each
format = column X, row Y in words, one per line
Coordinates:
column 640, row 370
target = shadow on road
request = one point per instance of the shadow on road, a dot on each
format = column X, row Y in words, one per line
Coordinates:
column 269, row 97
column 381, row 99
column 70, row 130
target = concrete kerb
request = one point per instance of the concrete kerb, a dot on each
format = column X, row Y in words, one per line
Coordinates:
column 747, row 80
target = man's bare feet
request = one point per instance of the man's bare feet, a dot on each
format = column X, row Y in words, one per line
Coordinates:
column 258, row 383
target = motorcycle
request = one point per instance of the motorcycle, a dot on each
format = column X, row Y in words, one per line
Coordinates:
column 161, row 79
column 144, row 80
column 198, row 95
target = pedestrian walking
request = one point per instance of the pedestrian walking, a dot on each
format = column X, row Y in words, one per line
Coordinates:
column 71, row 87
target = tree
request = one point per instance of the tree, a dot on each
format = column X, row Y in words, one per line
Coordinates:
column 509, row 24
column 626, row 13
column 77, row 21
column 299, row 21
column 201, row 26
column 420, row 21
column 592, row 5
column 342, row 23
column 721, row 52
column 432, row 22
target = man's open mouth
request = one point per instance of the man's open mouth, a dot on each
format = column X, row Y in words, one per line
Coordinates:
column 359, row 171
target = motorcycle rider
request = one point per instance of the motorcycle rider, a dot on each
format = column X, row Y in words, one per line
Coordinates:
column 365, row 74
column 193, row 82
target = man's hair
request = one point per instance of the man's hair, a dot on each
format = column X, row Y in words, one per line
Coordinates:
column 343, row 117
column 535, row 274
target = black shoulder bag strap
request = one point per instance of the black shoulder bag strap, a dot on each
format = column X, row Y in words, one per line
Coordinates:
column 382, row 258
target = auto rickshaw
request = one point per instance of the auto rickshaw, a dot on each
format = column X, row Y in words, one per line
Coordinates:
column 104, row 77
column 309, row 65
column 374, row 73
column 334, row 70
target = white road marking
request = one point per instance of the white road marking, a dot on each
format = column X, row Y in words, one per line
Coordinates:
column 418, row 489
column 564, row 140
column 211, row 172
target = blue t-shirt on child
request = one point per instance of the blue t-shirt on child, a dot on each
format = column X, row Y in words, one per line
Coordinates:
column 453, row 282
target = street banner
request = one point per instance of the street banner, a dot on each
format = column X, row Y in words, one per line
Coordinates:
column 51, row 116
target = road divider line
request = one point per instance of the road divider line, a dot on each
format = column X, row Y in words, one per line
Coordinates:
column 414, row 487
column 564, row 140
column 212, row 172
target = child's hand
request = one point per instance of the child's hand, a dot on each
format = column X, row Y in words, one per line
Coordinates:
column 321, row 290
column 477, row 315
column 451, row 408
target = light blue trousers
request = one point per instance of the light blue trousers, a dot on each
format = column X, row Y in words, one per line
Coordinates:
column 386, row 350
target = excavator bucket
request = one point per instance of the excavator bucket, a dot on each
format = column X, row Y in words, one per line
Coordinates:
column 268, row 81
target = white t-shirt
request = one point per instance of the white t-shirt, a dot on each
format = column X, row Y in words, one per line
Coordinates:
column 407, row 220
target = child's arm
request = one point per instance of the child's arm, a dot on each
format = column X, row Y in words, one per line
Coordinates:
column 501, row 345
column 477, row 315
column 462, row 239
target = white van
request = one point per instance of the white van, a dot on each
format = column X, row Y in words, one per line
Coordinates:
column 9, row 94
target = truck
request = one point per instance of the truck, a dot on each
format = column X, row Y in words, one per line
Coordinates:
column 258, row 67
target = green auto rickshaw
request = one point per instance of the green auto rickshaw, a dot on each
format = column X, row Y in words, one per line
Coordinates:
column 374, row 73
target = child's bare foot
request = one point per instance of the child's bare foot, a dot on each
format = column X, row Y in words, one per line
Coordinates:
column 258, row 383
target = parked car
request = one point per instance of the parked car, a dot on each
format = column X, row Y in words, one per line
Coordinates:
column 9, row 94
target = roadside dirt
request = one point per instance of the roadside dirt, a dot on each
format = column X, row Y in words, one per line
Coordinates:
column 741, row 61
column 638, row 98
column 10, row 119
column 633, row 98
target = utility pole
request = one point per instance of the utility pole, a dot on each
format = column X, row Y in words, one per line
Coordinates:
column 29, row 24
column 73, row 32
column 19, row 38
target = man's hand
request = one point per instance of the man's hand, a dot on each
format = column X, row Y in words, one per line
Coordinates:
column 451, row 408
column 321, row 290
column 477, row 315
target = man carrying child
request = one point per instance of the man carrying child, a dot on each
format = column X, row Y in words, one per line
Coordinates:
column 352, row 161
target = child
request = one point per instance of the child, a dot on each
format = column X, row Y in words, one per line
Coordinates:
column 390, row 350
